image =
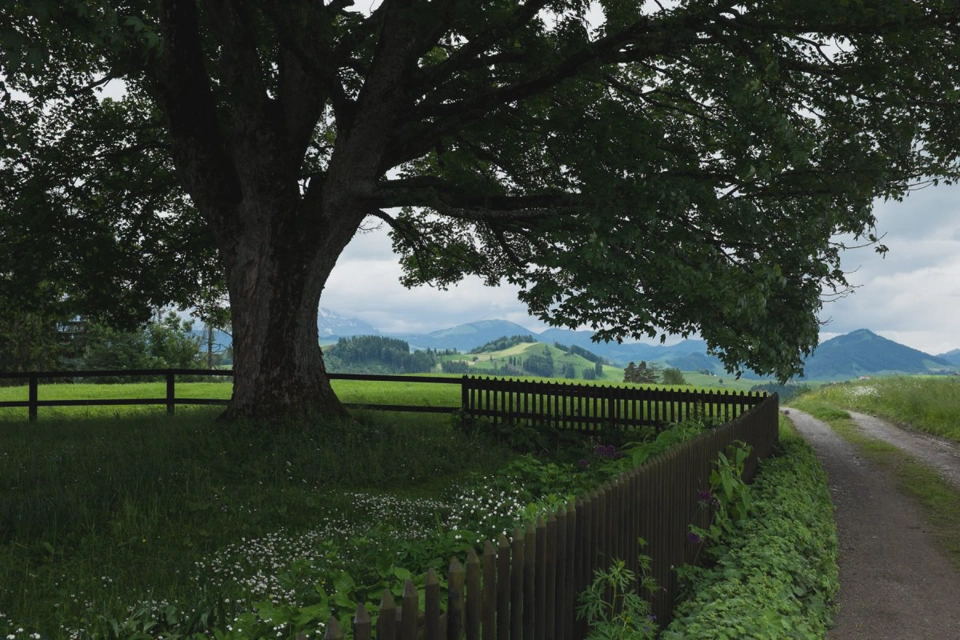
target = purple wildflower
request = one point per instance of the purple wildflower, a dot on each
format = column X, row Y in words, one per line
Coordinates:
column 607, row 451
column 583, row 462
column 693, row 538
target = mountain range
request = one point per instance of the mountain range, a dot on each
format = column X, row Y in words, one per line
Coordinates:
column 855, row 354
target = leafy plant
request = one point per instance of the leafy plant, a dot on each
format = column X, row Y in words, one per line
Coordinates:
column 775, row 575
column 612, row 604
column 728, row 500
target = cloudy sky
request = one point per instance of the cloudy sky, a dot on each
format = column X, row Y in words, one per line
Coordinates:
column 911, row 296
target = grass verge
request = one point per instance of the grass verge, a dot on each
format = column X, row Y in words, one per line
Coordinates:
column 927, row 404
column 939, row 500
column 777, row 575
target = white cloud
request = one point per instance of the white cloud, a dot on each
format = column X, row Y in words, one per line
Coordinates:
column 912, row 295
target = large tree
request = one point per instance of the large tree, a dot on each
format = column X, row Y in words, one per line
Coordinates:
column 631, row 166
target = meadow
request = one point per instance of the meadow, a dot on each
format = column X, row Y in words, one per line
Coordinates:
column 103, row 517
column 930, row 404
column 349, row 391
column 120, row 515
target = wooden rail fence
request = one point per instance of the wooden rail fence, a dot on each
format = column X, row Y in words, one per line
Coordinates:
column 525, row 587
column 569, row 406
column 170, row 400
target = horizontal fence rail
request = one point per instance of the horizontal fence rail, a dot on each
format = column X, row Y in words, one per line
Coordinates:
column 586, row 407
column 170, row 400
column 578, row 407
column 526, row 586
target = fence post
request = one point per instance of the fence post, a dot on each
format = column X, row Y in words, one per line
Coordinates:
column 33, row 398
column 171, row 393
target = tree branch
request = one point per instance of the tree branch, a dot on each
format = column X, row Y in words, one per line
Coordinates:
column 181, row 87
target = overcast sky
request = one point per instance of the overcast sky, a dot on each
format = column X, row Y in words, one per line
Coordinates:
column 911, row 296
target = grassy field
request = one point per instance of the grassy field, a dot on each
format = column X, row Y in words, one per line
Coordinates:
column 110, row 511
column 925, row 403
column 101, row 518
column 902, row 400
column 349, row 391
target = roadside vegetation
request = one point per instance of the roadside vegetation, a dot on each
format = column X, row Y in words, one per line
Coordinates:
column 773, row 574
column 930, row 404
column 900, row 399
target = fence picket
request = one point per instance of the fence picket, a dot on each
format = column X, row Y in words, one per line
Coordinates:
column 529, row 581
column 474, row 597
column 489, row 614
column 362, row 627
column 432, row 606
column 550, row 588
column 503, row 588
column 456, row 579
column 516, row 586
column 387, row 622
column 409, row 612
column 333, row 631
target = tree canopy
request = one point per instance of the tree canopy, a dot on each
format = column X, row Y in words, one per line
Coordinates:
column 633, row 167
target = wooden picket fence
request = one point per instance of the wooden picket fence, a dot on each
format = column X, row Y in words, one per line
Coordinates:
column 526, row 587
column 586, row 407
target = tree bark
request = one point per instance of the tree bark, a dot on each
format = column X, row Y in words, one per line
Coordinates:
column 276, row 271
column 278, row 240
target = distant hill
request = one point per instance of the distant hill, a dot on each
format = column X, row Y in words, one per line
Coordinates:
column 855, row 354
column 530, row 358
column 863, row 352
column 953, row 357
column 464, row 337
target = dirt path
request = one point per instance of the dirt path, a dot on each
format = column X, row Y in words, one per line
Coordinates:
column 895, row 583
column 939, row 454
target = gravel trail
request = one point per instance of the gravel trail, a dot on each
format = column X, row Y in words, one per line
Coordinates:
column 941, row 455
column 895, row 583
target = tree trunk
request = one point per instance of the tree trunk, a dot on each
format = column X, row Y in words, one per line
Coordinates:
column 276, row 272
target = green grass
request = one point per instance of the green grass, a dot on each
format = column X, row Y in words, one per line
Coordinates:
column 98, row 515
column 939, row 500
column 730, row 383
column 927, row 404
column 349, row 391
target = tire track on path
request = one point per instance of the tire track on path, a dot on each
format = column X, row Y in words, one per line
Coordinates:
column 895, row 583
column 941, row 455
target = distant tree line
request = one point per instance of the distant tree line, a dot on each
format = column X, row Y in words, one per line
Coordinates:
column 455, row 366
column 785, row 391
column 644, row 373
column 376, row 354
column 503, row 342
column 31, row 342
column 580, row 351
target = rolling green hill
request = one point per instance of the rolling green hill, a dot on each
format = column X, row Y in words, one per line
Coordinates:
column 530, row 359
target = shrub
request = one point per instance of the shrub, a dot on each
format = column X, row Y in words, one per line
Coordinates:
column 673, row 376
column 775, row 575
